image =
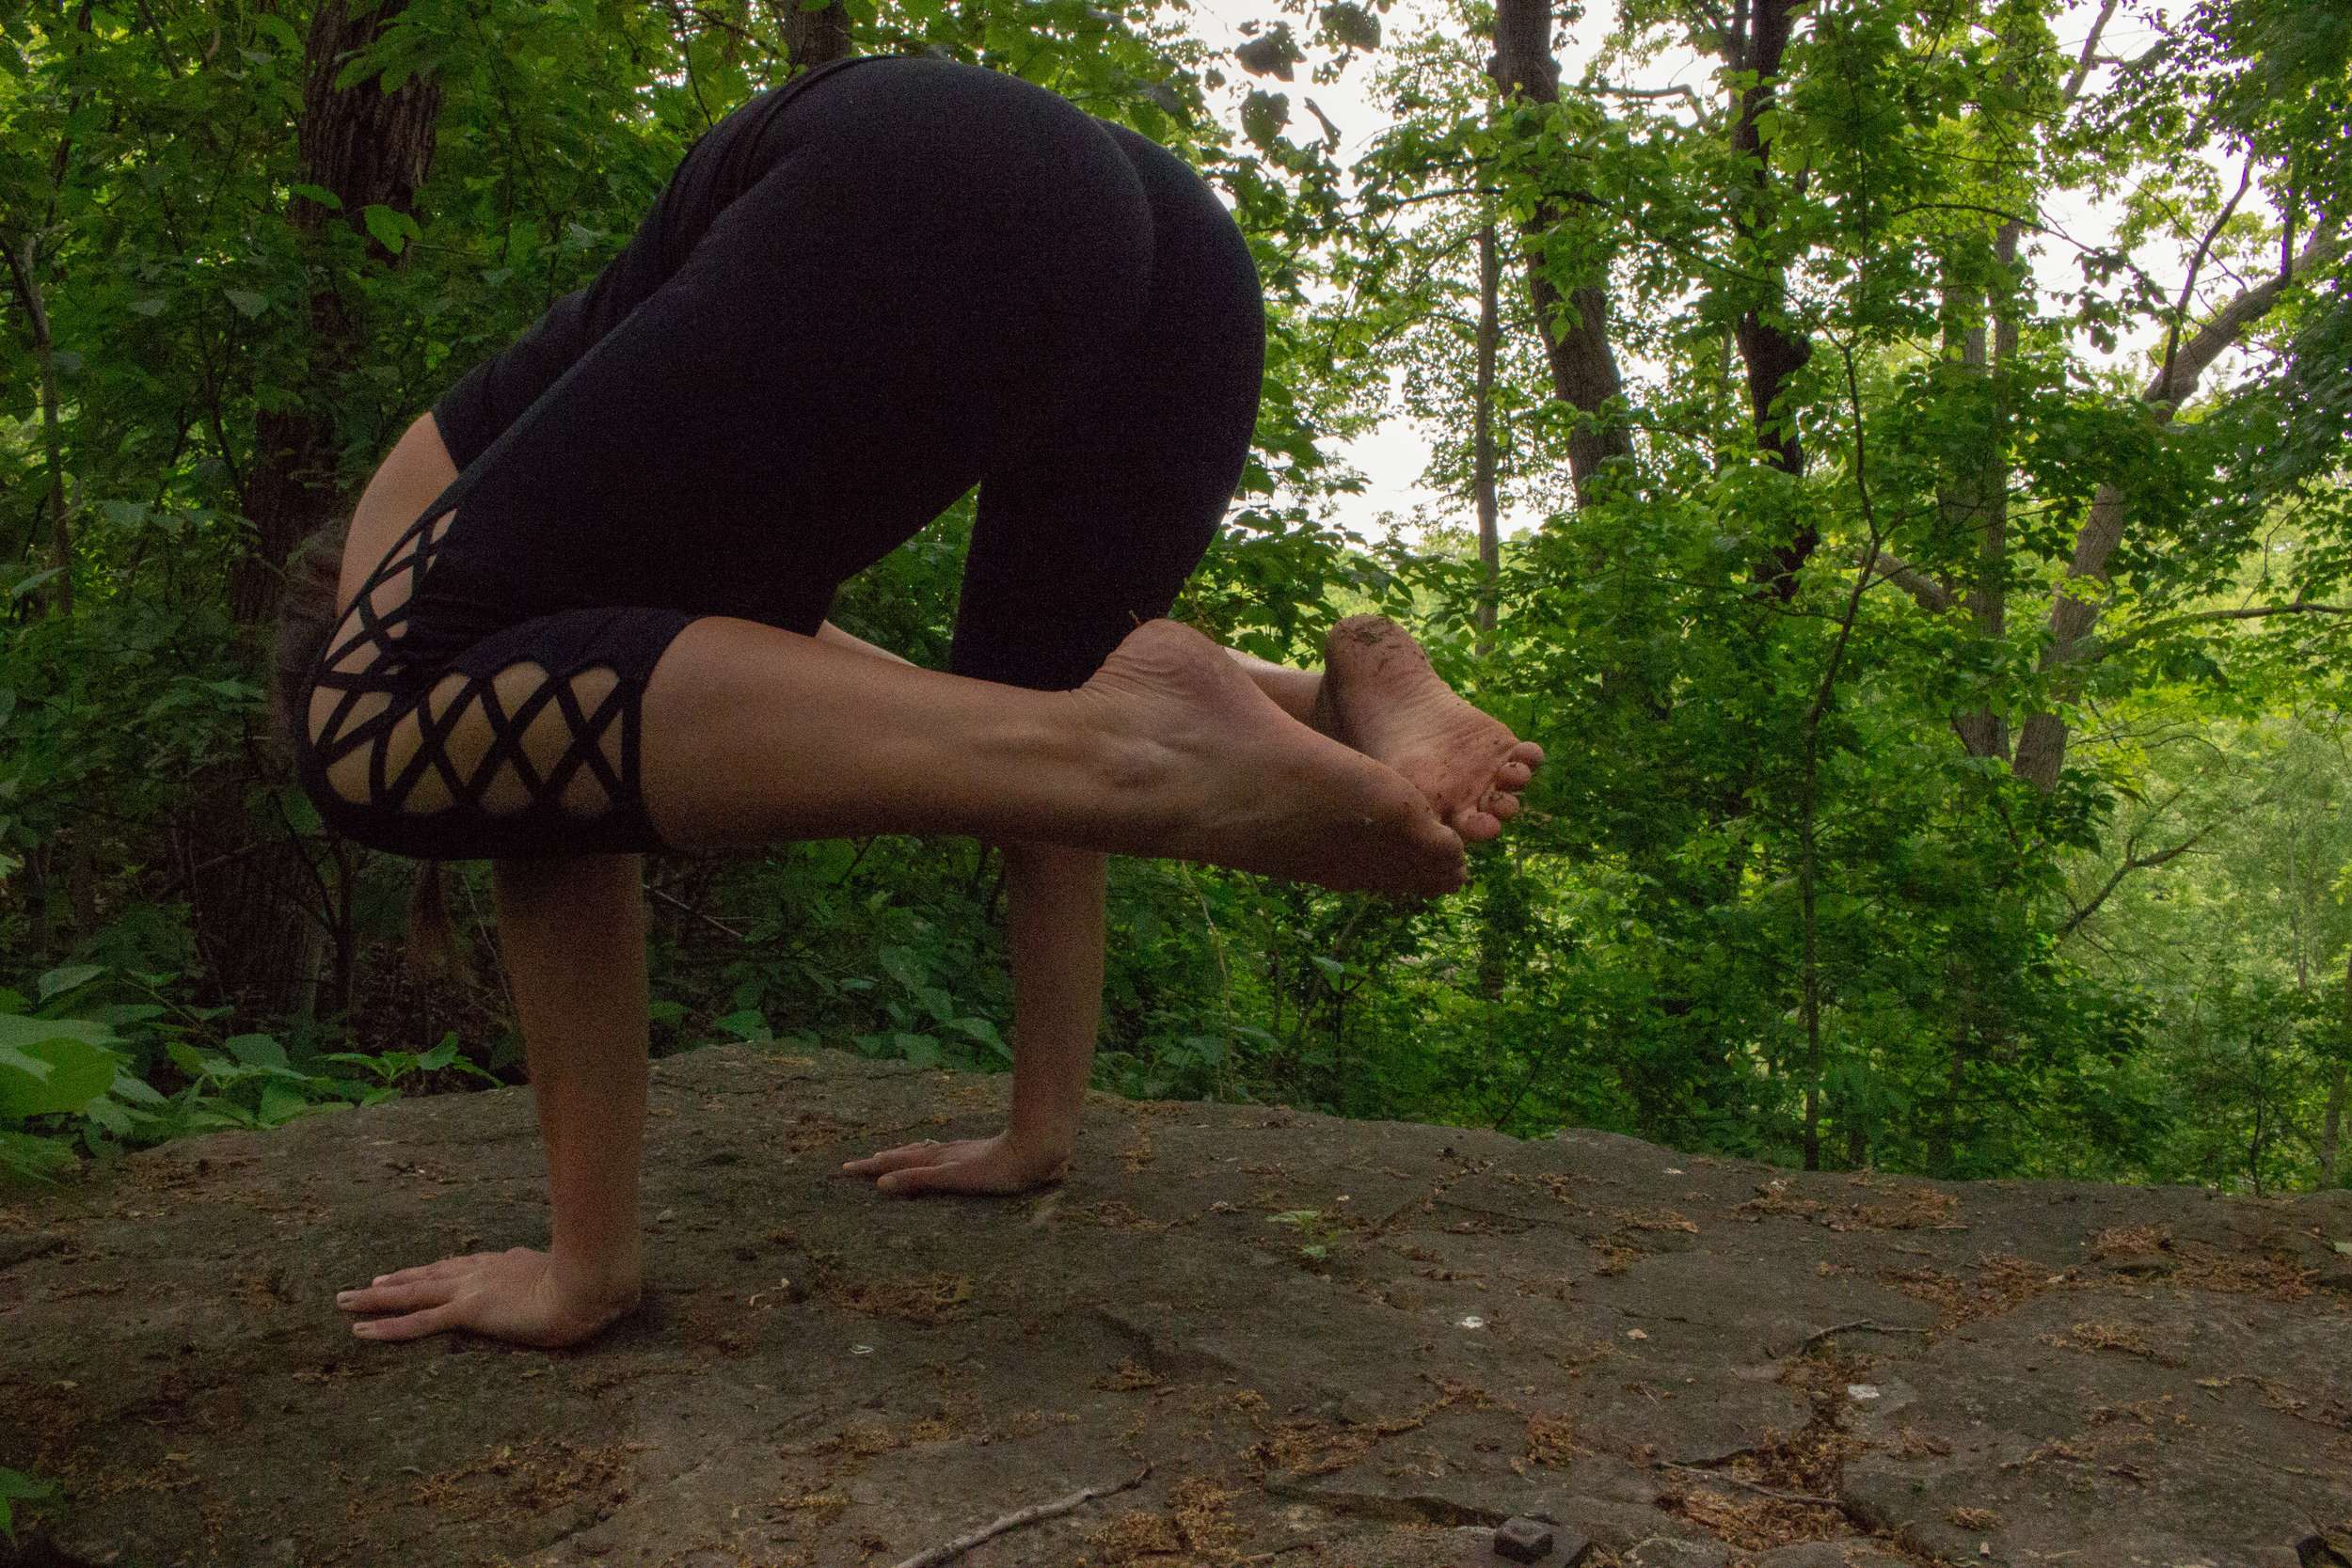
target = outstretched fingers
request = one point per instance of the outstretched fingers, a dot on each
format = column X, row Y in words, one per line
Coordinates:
column 904, row 1157
column 999, row 1164
column 416, row 1298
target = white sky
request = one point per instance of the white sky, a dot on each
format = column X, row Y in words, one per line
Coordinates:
column 1392, row 457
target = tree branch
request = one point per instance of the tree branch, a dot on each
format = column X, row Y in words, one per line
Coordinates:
column 1932, row 595
column 2196, row 263
column 2257, row 612
column 2089, row 56
column 2131, row 863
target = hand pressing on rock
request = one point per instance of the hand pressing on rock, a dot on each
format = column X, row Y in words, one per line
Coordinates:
column 997, row 1164
column 518, row 1296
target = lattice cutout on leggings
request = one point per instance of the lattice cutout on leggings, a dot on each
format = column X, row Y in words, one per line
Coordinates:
column 498, row 744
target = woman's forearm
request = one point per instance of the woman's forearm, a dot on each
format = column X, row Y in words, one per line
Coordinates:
column 573, row 934
column 1054, row 911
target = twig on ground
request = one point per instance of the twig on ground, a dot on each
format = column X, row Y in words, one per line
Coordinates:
column 950, row 1551
column 1777, row 1496
column 1812, row 1340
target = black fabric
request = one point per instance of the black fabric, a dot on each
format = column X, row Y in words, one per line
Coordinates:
column 860, row 295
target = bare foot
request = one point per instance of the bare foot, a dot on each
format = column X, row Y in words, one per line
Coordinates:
column 1380, row 696
column 1231, row 780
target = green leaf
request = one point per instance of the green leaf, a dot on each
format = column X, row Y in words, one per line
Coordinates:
column 1349, row 23
column 246, row 301
column 280, row 1104
column 138, row 1090
column 392, row 229
column 1263, row 115
column 23, row 1032
column 256, row 1050
column 65, row 978
column 749, row 1024
column 28, row 1154
column 279, row 30
column 320, row 195
column 79, row 1073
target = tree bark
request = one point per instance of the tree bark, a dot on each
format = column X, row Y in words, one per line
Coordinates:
column 1483, row 431
column 2042, row 740
column 370, row 149
column 1575, row 328
column 816, row 37
column 1979, row 503
column 25, row 271
column 1755, row 42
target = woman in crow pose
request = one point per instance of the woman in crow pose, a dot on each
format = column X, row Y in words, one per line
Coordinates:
column 581, row 610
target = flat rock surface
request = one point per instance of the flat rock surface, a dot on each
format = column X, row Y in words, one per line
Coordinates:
column 1691, row 1361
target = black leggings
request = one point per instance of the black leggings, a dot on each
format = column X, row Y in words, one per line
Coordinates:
column 861, row 295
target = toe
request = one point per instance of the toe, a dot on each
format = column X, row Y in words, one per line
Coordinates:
column 1513, row 775
column 1477, row 824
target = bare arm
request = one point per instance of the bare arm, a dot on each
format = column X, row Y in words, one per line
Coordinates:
column 573, row 934
column 1053, row 939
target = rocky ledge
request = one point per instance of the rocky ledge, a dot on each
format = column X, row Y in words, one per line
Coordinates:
column 1315, row 1342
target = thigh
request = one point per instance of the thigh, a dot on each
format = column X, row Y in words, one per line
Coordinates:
column 932, row 264
column 1090, row 529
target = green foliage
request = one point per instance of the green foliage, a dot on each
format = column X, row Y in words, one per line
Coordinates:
column 1768, row 897
column 16, row 1487
column 84, row 1071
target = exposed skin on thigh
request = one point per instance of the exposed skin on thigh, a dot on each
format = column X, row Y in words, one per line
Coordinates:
column 1148, row 753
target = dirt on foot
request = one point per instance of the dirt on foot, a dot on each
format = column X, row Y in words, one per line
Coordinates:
column 1380, row 696
column 1244, row 785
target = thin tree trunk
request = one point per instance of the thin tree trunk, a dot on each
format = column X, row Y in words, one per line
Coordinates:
column 1483, row 439
column 1575, row 328
column 25, row 271
column 1980, row 504
column 1753, row 46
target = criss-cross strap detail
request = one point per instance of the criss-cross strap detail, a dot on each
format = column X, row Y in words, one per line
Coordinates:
column 390, row 735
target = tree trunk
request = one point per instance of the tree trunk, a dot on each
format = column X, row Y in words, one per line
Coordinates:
column 816, row 37
column 2042, row 740
column 1483, row 439
column 1753, row 47
column 1980, row 503
column 25, row 271
column 370, row 149
column 1575, row 330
